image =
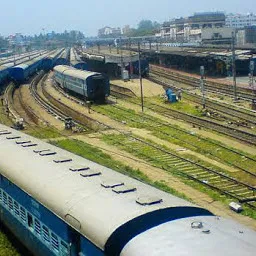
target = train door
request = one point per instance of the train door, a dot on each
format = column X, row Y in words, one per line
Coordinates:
column 75, row 242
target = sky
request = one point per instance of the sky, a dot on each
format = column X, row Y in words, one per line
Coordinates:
column 30, row 17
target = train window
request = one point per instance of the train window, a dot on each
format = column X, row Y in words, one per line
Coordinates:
column 46, row 234
column 37, row 227
column 1, row 195
column 5, row 198
column 10, row 203
column 30, row 221
column 64, row 250
column 54, row 242
column 23, row 214
column 16, row 208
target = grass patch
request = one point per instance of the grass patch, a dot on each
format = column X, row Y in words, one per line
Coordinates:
column 179, row 136
column 44, row 132
column 6, row 247
column 149, row 155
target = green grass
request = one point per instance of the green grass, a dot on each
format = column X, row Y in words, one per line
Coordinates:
column 6, row 247
column 144, row 153
column 94, row 154
column 174, row 134
column 44, row 132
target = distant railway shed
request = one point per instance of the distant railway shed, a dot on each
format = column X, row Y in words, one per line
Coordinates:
column 217, row 62
column 112, row 60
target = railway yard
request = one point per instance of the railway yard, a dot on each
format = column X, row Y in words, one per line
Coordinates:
column 200, row 149
column 209, row 156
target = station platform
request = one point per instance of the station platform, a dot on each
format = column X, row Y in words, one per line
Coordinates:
column 150, row 89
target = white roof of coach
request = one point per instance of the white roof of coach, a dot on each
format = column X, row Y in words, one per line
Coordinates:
column 210, row 236
column 83, row 202
column 77, row 73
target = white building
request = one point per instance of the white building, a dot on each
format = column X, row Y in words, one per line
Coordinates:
column 108, row 31
column 189, row 29
column 240, row 20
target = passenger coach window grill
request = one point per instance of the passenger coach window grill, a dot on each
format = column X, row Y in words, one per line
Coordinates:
column 10, row 203
column 46, row 235
column 64, row 250
column 37, row 227
column 16, row 208
column 23, row 214
column 5, row 199
column 54, row 242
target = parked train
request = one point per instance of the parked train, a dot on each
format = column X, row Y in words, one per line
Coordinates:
column 58, row 203
column 75, row 60
column 134, row 69
column 91, row 86
column 7, row 66
column 63, row 59
column 49, row 61
column 22, row 72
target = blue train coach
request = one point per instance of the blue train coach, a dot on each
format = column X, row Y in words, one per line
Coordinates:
column 60, row 204
column 89, row 85
column 22, row 72
column 50, row 60
column 76, row 62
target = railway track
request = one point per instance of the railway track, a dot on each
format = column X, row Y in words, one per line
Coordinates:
column 241, row 135
column 189, row 169
column 211, row 86
column 243, row 115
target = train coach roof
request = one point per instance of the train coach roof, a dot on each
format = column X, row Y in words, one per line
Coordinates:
column 21, row 66
column 84, row 199
column 67, row 70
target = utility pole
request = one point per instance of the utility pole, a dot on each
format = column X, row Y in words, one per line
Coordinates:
column 141, row 89
column 202, row 85
column 234, row 65
column 122, row 61
column 251, row 67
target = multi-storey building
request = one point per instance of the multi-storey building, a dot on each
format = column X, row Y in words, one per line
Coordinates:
column 240, row 20
column 190, row 28
column 108, row 31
